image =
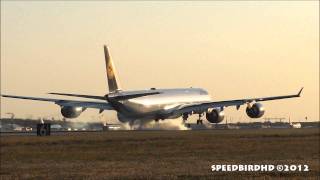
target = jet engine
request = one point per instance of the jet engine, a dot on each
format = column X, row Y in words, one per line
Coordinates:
column 71, row 112
column 255, row 111
column 215, row 116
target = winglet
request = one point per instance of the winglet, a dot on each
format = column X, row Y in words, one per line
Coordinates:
column 299, row 93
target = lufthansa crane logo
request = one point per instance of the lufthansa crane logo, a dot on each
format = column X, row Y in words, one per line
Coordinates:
column 110, row 71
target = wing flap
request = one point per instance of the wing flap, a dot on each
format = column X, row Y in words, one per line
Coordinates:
column 85, row 104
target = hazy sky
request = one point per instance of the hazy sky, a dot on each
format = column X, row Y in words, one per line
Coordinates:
column 233, row 49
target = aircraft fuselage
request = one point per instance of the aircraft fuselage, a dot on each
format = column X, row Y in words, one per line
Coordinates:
column 153, row 107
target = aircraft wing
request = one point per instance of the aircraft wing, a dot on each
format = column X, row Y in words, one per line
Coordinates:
column 81, row 95
column 203, row 107
column 115, row 96
column 62, row 102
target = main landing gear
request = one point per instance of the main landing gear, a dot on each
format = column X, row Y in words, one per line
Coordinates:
column 186, row 115
column 199, row 121
column 184, row 119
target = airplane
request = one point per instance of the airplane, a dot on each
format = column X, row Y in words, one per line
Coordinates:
column 155, row 104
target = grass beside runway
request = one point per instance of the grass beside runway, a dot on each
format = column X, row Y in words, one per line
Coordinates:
column 158, row 154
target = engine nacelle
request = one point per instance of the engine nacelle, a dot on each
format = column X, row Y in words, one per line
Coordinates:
column 215, row 116
column 255, row 111
column 71, row 112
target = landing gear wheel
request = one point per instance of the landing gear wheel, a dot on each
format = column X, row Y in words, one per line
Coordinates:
column 199, row 121
column 185, row 117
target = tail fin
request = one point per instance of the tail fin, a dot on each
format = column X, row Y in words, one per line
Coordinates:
column 113, row 81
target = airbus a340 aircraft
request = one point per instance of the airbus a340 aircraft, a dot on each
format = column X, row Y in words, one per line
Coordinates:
column 155, row 104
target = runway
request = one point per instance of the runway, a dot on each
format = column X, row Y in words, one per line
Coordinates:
column 34, row 133
column 158, row 154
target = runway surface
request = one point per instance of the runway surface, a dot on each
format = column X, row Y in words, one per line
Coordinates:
column 158, row 154
column 53, row 133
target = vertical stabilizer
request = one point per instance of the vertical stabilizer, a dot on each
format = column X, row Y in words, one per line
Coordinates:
column 113, row 81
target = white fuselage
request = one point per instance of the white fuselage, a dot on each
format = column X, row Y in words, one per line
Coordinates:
column 155, row 106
